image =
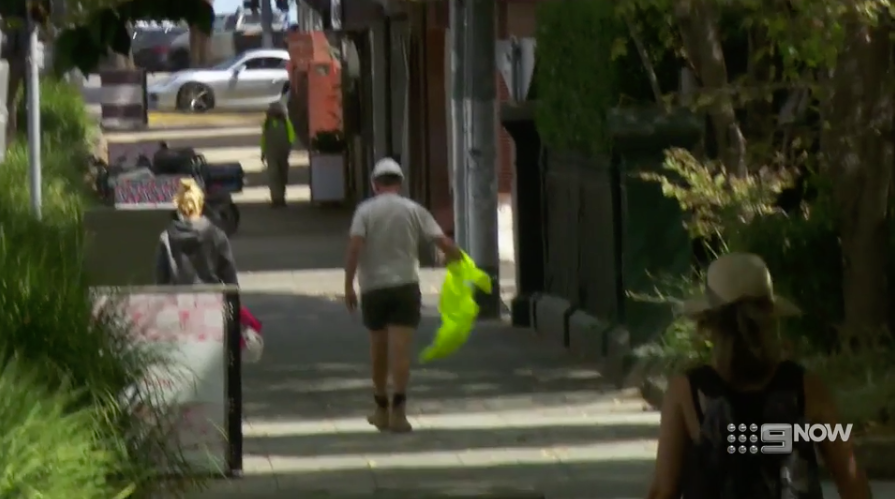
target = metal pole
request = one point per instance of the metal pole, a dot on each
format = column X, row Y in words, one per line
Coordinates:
column 481, row 147
column 266, row 25
column 458, row 132
column 33, row 91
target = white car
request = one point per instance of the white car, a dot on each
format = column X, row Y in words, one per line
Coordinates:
column 250, row 81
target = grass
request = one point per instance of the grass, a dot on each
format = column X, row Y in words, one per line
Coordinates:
column 66, row 365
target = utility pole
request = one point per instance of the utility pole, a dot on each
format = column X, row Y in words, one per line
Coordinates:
column 266, row 25
column 33, row 92
column 458, row 10
column 481, row 146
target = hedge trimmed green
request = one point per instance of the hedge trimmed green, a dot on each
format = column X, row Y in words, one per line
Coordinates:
column 576, row 77
column 80, row 364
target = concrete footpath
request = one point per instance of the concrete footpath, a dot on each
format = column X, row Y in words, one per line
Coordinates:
column 507, row 415
column 510, row 414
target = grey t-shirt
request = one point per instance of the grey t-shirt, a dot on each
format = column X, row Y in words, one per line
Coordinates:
column 392, row 227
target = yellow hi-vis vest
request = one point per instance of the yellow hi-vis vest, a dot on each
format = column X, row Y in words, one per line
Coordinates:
column 457, row 307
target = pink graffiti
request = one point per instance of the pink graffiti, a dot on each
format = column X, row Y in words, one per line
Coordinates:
column 175, row 318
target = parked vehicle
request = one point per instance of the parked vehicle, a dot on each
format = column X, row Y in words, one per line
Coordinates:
column 250, row 81
column 153, row 47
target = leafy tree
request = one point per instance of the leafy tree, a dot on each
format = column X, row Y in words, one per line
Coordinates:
column 88, row 31
column 838, row 52
column 799, row 85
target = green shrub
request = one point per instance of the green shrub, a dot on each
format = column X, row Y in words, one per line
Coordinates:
column 803, row 254
column 46, row 309
column 48, row 450
column 63, row 117
column 801, row 248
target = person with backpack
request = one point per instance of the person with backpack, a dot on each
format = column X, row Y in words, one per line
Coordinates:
column 710, row 441
column 192, row 250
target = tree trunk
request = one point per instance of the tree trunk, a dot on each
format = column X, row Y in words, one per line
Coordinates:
column 698, row 23
column 858, row 153
column 198, row 48
column 15, row 55
column 16, row 82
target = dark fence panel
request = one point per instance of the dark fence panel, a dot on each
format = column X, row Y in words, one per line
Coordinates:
column 607, row 232
column 580, row 232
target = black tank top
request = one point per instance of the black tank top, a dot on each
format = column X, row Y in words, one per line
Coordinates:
column 725, row 464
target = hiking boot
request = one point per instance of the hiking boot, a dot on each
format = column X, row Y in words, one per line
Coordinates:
column 379, row 419
column 397, row 420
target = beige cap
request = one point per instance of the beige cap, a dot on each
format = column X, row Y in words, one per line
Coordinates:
column 736, row 276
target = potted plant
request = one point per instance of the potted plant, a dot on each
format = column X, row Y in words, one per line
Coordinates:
column 327, row 172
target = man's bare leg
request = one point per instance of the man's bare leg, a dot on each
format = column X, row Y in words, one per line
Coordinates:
column 401, row 343
column 379, row 357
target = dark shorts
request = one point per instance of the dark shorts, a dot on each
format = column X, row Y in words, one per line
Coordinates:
column 395, row 306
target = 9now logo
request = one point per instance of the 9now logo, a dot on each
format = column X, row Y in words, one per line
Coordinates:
column 779, row 438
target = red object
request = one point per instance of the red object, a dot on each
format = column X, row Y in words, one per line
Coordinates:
column 160, row 49
column 246, row 319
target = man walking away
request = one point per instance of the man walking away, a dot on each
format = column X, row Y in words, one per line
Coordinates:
column 277, row 136
column 384, row 252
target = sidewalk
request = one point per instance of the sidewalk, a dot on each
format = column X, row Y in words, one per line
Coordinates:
column 508, row 415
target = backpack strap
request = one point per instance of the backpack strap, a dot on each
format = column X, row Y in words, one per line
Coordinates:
column 704, row 380
column 166, row 243
column 790, row 377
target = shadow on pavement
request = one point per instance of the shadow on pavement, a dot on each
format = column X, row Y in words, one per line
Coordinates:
column 316, row 366
column 423, row 439
column 297, row 237
column 613, row 478
column 223, row 138
column 298, row 175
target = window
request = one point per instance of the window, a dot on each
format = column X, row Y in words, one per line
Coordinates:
column 266, row 63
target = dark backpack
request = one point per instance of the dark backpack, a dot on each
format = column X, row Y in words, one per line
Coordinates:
column 726, row 464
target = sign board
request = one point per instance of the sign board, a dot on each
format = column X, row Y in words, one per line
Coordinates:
column 188, row 329
column 146, row 193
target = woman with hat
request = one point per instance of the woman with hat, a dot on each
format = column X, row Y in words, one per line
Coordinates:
column 710, row 442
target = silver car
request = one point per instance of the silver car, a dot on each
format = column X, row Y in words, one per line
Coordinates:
column 250, row 81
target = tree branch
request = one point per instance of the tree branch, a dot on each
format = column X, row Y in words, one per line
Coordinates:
column 645, row 59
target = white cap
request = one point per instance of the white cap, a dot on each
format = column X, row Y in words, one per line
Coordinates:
column 387, row 166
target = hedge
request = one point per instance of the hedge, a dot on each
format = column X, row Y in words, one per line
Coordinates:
column 55, row 356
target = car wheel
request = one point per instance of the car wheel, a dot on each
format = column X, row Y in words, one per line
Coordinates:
column 195, row 98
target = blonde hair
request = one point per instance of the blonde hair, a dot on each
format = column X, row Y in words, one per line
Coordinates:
column 189, row 198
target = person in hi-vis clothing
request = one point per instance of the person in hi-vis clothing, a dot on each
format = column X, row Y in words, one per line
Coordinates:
column 277, row 136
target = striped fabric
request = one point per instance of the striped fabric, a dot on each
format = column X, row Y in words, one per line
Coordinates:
column 123, row 99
